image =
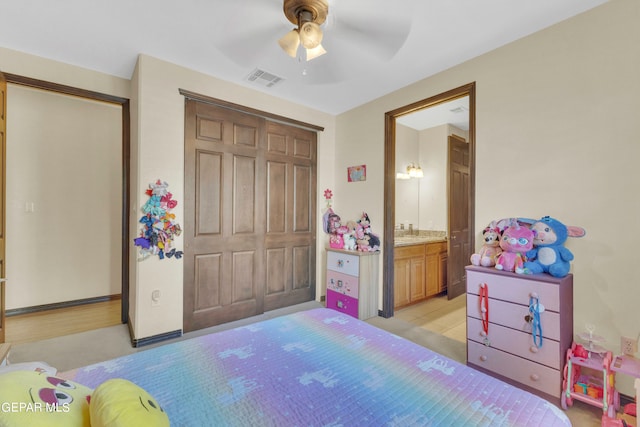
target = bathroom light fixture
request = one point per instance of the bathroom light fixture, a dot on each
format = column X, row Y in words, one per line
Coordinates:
column 413, row 171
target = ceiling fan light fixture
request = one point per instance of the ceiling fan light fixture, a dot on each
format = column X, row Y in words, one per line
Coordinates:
column 315, row 52
column 308, row 15
column 290, row 42
column 310, row 35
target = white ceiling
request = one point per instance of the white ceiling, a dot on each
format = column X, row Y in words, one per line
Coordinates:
column 454, row 112
column 374, row 46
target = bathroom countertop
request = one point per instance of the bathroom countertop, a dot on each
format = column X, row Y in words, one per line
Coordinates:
column 417, row 240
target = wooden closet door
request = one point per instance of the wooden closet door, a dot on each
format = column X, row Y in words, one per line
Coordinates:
column 224, row 223
column 290, row 250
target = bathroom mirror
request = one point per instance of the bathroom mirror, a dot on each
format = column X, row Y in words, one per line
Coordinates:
column 421, row 142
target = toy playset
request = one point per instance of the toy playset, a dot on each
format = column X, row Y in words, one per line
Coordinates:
column 589, row 376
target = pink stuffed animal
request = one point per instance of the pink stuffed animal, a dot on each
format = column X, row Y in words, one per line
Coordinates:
column 490, row 249
column 515, row 242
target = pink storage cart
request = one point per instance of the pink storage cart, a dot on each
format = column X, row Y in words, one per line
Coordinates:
column 588, row 377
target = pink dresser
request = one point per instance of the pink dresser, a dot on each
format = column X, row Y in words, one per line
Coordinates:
column 512, row 345
column 352, row 282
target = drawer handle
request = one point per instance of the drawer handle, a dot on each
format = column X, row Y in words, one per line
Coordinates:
column 535, row 377
column 533, row 349
column 483, row 358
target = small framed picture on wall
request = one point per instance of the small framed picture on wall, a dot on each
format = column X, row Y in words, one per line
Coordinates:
column 357, row 173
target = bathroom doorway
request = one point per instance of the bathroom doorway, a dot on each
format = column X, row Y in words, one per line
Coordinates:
column 455, row 210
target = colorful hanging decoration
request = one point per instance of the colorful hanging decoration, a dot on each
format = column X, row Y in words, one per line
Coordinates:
column 159, row 226
column 328, row 195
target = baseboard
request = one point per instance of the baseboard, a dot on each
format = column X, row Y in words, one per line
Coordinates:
column 63, row 304
column 155, row 338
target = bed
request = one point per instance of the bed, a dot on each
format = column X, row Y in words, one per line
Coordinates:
column 318, row 368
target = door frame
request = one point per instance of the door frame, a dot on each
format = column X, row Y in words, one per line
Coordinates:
column 126, row 163
column 390, row 179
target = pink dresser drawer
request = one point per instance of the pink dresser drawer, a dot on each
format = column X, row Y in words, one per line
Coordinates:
column 342, row 303
column 518, row 290
column 516, row 342
column 532, row 374
column 342, row 283
column 512, row 315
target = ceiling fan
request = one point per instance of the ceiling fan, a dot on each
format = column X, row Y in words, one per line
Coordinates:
column 356, row 34
column 308, row 15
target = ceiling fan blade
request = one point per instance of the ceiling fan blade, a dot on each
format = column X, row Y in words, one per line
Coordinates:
column 376, row 27
column 251, row 29
column 247, row 49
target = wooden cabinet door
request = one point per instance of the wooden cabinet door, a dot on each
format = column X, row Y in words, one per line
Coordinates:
column 402, row 282
column 433, row 266
column 418, row 269
column 442, row 276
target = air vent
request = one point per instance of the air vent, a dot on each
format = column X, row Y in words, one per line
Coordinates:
column 460, row 109
column 264, row 78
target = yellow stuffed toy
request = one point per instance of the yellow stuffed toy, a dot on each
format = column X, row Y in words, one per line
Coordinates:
column 35, row 399
column 121, row 403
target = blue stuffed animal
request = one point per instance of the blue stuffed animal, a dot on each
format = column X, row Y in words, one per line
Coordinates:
column 549, row 254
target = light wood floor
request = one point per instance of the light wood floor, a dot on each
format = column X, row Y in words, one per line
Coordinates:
column 32, row 327
column 439, row 315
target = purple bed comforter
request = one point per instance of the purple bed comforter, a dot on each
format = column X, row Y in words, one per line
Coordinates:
column 318, row 368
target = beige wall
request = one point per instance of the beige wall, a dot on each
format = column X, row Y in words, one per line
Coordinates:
column 36, row 67
column 50, row 283
column 64, row 198
column 556, row 131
